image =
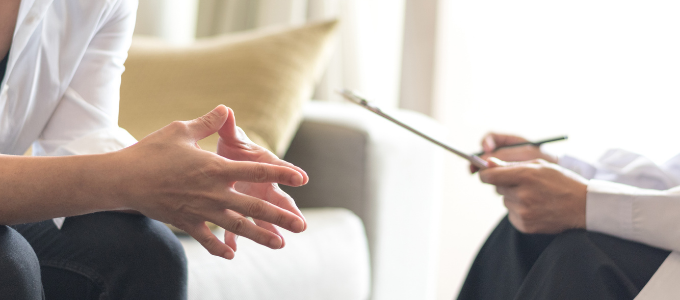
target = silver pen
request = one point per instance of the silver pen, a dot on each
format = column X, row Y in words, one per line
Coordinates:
column 354, row 97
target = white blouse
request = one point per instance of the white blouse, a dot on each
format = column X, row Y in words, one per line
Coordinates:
column 62, row 84
column 632, row 198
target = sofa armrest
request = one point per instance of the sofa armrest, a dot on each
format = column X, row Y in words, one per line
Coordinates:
column 386, row 175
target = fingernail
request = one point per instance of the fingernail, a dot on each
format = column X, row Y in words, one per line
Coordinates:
column 221, row 112
column 275, row 243
column 298, row 226
column 297, row 179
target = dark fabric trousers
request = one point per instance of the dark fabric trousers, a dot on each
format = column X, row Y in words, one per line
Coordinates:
column 104, row 255
column 575, row 264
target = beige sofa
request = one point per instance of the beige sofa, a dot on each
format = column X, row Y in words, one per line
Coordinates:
column 363, row 170
column 373, row 197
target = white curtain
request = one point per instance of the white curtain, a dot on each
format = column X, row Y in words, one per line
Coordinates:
column 368, row 58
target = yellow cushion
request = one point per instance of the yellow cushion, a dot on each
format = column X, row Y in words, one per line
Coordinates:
column 265, row 76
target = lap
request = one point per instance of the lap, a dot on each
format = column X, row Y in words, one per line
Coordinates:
column 122, row 255
column 576, row 263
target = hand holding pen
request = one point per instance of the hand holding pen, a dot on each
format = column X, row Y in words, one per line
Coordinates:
column 513, row 148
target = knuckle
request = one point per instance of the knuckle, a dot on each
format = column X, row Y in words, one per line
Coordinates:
column 260, row 173
column 208, row 120
column 256, row 209
column 178, row 126
column 238, row 226
column 209, row 244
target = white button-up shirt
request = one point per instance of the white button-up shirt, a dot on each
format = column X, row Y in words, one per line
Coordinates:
column 632, row 198
column 62, row 84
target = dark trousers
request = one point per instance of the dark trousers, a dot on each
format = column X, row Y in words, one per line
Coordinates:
column 104, row 255
column 576, row 264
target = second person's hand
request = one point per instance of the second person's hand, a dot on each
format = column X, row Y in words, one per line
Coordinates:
column 492, row 140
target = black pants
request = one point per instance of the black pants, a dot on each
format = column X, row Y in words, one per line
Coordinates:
column 97, row 256
column 572, row 265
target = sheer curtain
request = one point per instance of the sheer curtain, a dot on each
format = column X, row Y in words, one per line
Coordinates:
column 368, row 58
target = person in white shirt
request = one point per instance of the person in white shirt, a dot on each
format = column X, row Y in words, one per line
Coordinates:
column 59, row 91
column 575, row 230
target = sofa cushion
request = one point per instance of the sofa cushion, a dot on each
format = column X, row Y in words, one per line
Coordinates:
column 265, row 76
column 330, row 260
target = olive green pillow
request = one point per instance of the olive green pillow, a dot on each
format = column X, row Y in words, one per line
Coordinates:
column 265, row 76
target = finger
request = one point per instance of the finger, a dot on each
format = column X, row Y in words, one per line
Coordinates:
column 501, row 176
column 209, row 241
column 507, row 191
column 278, row 197
column 230, row 132
column 230, row 239
column 489, row 143
column 262, row 172
column 208, row 124
column 274, row 160
column 238, row 224
column 263, row 210
column 272, row 228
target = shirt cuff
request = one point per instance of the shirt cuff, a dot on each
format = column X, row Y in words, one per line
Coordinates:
column 100, row 141
column 578, row 166
column 609, row 208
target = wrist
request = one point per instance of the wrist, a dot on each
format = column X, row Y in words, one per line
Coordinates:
column 105, row 181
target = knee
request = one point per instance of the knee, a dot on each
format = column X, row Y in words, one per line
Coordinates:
column 142, row 245
column 19, row 267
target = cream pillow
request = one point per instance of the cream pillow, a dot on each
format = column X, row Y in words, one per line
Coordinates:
column 265, row 76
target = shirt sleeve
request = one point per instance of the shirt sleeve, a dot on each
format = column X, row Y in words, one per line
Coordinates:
column 647, row 216
column 86, row 119
column 629, row 168
column 631, row 197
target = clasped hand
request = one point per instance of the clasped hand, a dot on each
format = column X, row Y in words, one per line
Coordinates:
column 541, row 196
column 174, row 181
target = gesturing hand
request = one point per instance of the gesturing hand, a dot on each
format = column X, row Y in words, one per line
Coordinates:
column 234, row 144
column 522, row 153
column 541, row 197
column 169, row 178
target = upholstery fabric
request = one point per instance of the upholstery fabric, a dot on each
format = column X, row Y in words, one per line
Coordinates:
column 328, row 261
column 265, row 76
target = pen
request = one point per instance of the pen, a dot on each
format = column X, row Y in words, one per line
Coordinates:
column 354, row 97
column 536, row 144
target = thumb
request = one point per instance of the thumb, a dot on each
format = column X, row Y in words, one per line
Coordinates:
column 208, row 124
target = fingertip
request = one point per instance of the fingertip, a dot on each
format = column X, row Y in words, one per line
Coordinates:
column 221, row 110
column 489, row 144
column 305, row 177
column 276, row 242
column 297, row 179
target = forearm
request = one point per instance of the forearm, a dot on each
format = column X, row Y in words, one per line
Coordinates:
column 40, row 188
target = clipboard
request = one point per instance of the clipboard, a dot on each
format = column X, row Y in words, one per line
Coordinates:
column 357, row 99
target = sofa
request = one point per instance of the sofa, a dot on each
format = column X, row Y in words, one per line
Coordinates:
column 372, row 206
column 372, row 203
